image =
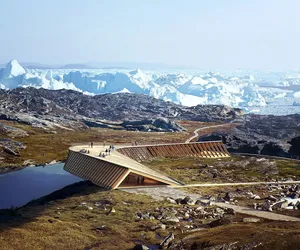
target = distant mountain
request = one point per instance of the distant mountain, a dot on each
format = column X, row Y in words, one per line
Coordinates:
column 120, row 65
column 77, row 66
column 99, row 65
column 134, row 65
column 39, row 66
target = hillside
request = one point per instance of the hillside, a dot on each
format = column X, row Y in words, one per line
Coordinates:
column 29, row 105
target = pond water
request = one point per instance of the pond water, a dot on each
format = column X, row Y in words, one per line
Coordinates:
column 19, row 187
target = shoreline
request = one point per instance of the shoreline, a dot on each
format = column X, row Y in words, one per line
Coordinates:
column 8, row 169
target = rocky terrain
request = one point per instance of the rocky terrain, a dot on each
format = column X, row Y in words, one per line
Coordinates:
column 71, row 109
column 53, row 111
column 159, row 124
column 272, row 197
column 259, row 134
column 83, row 216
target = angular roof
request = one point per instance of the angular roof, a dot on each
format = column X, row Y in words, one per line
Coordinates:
column 111, row 170
column 91, row 162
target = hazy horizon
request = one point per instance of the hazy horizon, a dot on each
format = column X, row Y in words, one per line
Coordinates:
column 199, row 34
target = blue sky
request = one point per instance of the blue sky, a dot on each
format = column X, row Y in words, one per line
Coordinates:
column 224, row 34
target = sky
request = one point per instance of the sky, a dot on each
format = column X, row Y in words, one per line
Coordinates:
column 223, row 34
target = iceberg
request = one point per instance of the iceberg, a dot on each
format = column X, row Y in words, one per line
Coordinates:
column 296, row 103
column 248, row 90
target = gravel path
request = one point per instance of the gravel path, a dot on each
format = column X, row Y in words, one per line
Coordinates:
column 159, row 193
column 242, row 183
column 198, row 129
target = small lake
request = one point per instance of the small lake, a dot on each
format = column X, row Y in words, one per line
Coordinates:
column 19, row 187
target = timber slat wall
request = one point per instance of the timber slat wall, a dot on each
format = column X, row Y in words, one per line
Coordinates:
column 198, row 149
column 101, row 173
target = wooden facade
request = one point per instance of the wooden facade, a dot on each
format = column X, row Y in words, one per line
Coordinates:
column 214, row 149
column 123, row 168
column 101, row 173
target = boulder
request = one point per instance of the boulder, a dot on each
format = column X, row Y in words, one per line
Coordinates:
column 255, row 197
column 284, row 204
column 199, row 208
column 171, row 200
column 228, row 197
column 271, row 198
column 294, row 195
column 280, row 204
column 28, row 162
column 185, row 200
column 191, row 202
column 295, row 146
column 111, row 211
column 186, row 215
column 230, row 211
column 172, row 218
column 166, row 124
column 202, row 203
column 178, row 200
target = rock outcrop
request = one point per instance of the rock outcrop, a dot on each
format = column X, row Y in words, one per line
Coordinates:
column 42, row 108
column 259, row 134
column 295, row 146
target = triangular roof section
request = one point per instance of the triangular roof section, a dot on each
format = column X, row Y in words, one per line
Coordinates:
column 109, row 172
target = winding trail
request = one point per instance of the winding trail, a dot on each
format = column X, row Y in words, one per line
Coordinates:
column 159, row 193
column 198, row 129
column 167, row 192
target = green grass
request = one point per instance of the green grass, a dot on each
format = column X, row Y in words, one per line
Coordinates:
column 63, row 224
column 43, row 146
column 267, row 235
column 191, row 170
column 288, row 168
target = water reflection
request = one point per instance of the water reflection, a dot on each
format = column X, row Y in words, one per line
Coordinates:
column 19, row 187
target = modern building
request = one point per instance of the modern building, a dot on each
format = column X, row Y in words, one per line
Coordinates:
column 122, row 167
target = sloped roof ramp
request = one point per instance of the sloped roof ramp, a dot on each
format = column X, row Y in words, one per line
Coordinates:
column 122, row 165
